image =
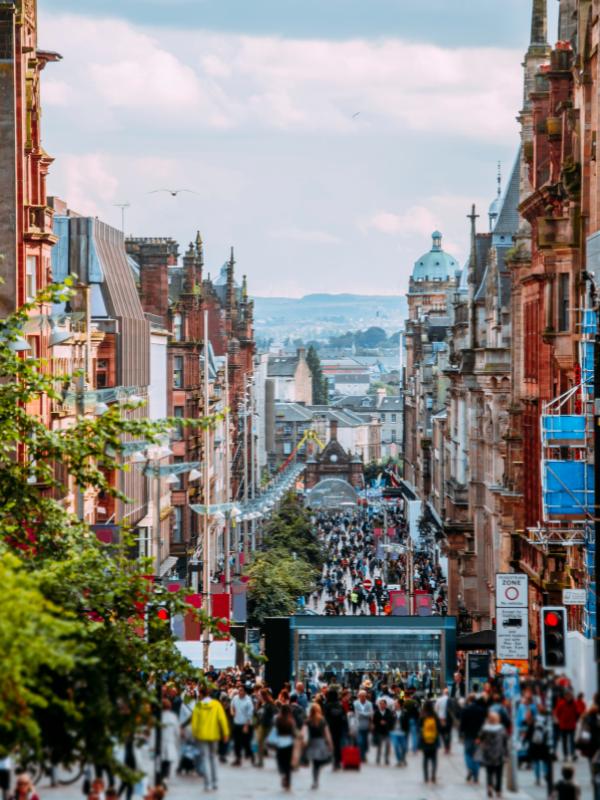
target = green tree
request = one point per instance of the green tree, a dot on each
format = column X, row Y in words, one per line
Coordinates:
column 319, row 383
column 81, row 665
column 277, row 580
column 288, row 566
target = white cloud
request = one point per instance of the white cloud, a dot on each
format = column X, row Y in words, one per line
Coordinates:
column 223, row 80
column 301, row 235
column 88, row 182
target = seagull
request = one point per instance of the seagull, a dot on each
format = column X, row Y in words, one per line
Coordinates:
column 173, row 192
column 354, row 116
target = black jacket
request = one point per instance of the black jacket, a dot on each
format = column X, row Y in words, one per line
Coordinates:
column 471, row 719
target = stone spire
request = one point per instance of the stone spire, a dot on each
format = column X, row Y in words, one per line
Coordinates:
column 473, row 217
column 539, row 24
column 230, row 295
column 200, row 249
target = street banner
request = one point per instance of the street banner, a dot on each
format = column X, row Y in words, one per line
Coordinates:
column 399, row 603
column 239, row 596
column 391, row 532
column 221, row 608
column 423, row 604
column 377, row 532
column 192, row 627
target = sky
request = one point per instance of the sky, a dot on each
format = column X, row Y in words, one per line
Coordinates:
column 324, row 139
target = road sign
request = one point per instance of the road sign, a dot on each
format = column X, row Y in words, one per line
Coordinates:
column 512, row 633
column 511, row 590
column 574, row 597
column 367, row 584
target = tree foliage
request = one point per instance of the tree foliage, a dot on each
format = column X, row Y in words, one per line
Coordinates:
column 290, row 560
column 76, row 670
column 320, row 393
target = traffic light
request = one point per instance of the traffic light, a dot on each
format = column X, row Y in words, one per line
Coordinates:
column 554, row 637
column 158, row 622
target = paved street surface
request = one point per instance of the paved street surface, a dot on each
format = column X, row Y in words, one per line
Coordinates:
column 371, row 783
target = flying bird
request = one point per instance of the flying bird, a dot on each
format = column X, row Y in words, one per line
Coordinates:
column 173, row 192
column 354, row 116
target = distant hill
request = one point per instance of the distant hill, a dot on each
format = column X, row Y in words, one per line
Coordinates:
column 317, row 315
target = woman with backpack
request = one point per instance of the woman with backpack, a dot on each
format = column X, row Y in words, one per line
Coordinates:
column 538, row 738
column 493, row 743
column 429, row 738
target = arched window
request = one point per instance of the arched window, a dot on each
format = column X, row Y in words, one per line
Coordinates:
column 177, row 327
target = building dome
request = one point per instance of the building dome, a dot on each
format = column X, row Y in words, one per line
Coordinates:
column 436, row 265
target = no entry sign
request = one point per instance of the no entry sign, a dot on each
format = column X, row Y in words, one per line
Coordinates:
column 511, row 590
column 367, row 584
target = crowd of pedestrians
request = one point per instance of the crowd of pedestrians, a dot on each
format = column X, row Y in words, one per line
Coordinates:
column 366, row 556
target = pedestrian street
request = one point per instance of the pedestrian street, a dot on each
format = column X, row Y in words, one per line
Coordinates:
column 371, row 783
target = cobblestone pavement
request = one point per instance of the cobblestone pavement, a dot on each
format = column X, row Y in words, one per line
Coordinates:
column 371, row 783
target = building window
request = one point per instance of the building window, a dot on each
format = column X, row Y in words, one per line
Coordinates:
column 563, row 301
column 178, row 486
column 31, row 277
column 530, row 341
column 178, row 372
column 177, row 535
column 393, row 436
column 102, row 373
column 177, row 433
column 393, row 418
column 6, row 36
column 178, row 327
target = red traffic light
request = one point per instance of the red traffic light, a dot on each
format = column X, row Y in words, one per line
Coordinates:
column 551, row 619
column 162, row 614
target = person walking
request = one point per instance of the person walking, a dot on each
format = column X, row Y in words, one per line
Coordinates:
column 242, row 709
column 493, row 742
column 566, row 715
column 363, row 709
column 444, row 715
column 319, row 745
column 24, row 789
column 471, row 721
column 383, row 724
column 282, row 737
column 209, row 726
column 337, row 721
column 538, row 739
column 566, row 788
column 169, row 740
column 429, row 741
column 399, row 733
column 413, row 713
column 265, row 714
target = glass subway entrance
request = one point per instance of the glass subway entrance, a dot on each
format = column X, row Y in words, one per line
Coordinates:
column 418, row 651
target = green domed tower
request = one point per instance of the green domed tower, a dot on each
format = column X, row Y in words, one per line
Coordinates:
column 433, row 274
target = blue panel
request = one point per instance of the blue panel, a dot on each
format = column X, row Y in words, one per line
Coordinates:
column 558, row 428
column 589, row 322
column 60, row 251
column 568, row 489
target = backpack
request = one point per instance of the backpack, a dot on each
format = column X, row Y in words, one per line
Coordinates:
column 429, row 731
column 538, row 736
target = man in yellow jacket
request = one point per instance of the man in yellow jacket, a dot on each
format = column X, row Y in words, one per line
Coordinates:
column 209, row 726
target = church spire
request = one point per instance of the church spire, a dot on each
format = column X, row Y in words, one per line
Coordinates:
column 539, row 24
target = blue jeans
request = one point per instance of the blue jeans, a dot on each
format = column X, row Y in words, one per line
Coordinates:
column 471, row 763
column 363, row 744
column 399, row 742
column 540, row 769
column 413, row 732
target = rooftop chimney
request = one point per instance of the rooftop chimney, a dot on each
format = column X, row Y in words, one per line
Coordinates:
column 333, row 429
